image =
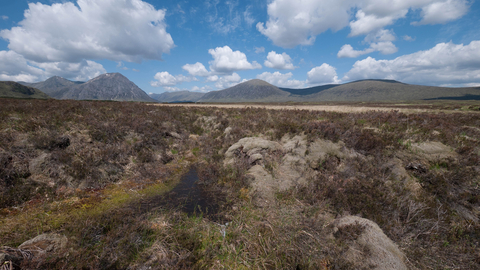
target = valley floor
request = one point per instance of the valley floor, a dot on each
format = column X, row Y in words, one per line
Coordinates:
column 121, row 185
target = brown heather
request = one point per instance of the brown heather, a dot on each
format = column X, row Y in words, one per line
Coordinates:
column 85, row 169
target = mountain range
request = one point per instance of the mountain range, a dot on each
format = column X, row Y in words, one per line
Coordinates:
column 109, row 86
column 364, row 90
column 115, row 86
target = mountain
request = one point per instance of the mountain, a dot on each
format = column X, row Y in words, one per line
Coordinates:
column 250, row 91
column 386, row 90
column 109, row 86
column 16, row 90
column 180, row 96
column 363, row 91
column 309, row 91
column 55, row 87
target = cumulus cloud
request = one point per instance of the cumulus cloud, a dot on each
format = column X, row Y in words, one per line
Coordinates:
column 197, row 69
column 456, row 64
column 126, row 30
column 279, row 61
column 202, row 89
column 212, row 78
column 81, row 71
column 324, row 74
column 367, row 23
column 228, row 81
column 14, row 67
column 225, row 60
column 166, row 79
column 298, row 22
column 380, row 41
column 281, row 80
column 443, row 11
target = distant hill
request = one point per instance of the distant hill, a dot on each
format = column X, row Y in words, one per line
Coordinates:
column 250, row 91
column 180, row 96
column 309, row 91
column 385, row 90
column 16, row 90
column 110, row 86
column 364, row 90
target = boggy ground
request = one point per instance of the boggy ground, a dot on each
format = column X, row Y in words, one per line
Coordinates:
column 290, row 189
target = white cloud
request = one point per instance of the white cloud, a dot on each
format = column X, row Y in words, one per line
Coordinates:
column 324, row 74
column 166, row 79
column 82, row 71
column 15, row 67
column 197, row 69
column 127, row 30
column 298, row 22
column 223, row 16
column 227, row 61
column 212, row 78
column 380, row 41
column 445, row 63
column 259, row 49
column 348, row 51
column 278, row 61
column 408, row 38
column 203, row 89
column 367, row 23
column 228, row 81
column 4, row 17
column 121, row 66
column 281, row 80
column 443, row 11
column 171, row 89
column 247, row 16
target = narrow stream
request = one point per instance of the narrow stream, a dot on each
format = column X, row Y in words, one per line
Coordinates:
column 188, row 196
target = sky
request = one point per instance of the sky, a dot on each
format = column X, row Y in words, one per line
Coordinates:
column 174, row 45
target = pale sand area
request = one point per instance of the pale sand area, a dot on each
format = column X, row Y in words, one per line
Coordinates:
column 329, row 108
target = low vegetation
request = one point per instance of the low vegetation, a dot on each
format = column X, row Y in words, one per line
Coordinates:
column 96, row 172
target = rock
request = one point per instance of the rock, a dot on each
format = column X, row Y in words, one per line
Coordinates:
column 319, row 150
column 48, row 242
column 296, row 145
column 250, row 146
column 227, row 131
column 38, row 164
column 44, row 243
column 263, row 185
column 433, row 151
column 368, row 246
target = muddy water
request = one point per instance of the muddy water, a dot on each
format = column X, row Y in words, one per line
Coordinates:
column 188, row 196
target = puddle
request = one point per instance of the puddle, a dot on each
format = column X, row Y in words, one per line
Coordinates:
column 188, row 196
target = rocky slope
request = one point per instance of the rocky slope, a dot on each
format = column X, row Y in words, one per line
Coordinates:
column 110, row 86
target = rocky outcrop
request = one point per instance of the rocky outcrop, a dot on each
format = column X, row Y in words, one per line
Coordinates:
column 368, row 246
column 35, row 247
column 274, row 166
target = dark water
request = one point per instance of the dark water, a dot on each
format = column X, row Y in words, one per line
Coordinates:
column 188, row 196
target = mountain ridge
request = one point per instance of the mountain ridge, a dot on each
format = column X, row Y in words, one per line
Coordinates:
column 108, row 86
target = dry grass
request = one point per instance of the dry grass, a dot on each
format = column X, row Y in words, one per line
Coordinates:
column 119, row 155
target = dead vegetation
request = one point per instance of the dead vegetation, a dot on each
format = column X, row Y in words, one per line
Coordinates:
column 406, row 183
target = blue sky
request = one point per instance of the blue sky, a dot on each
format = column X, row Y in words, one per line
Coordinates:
column 211, row 45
